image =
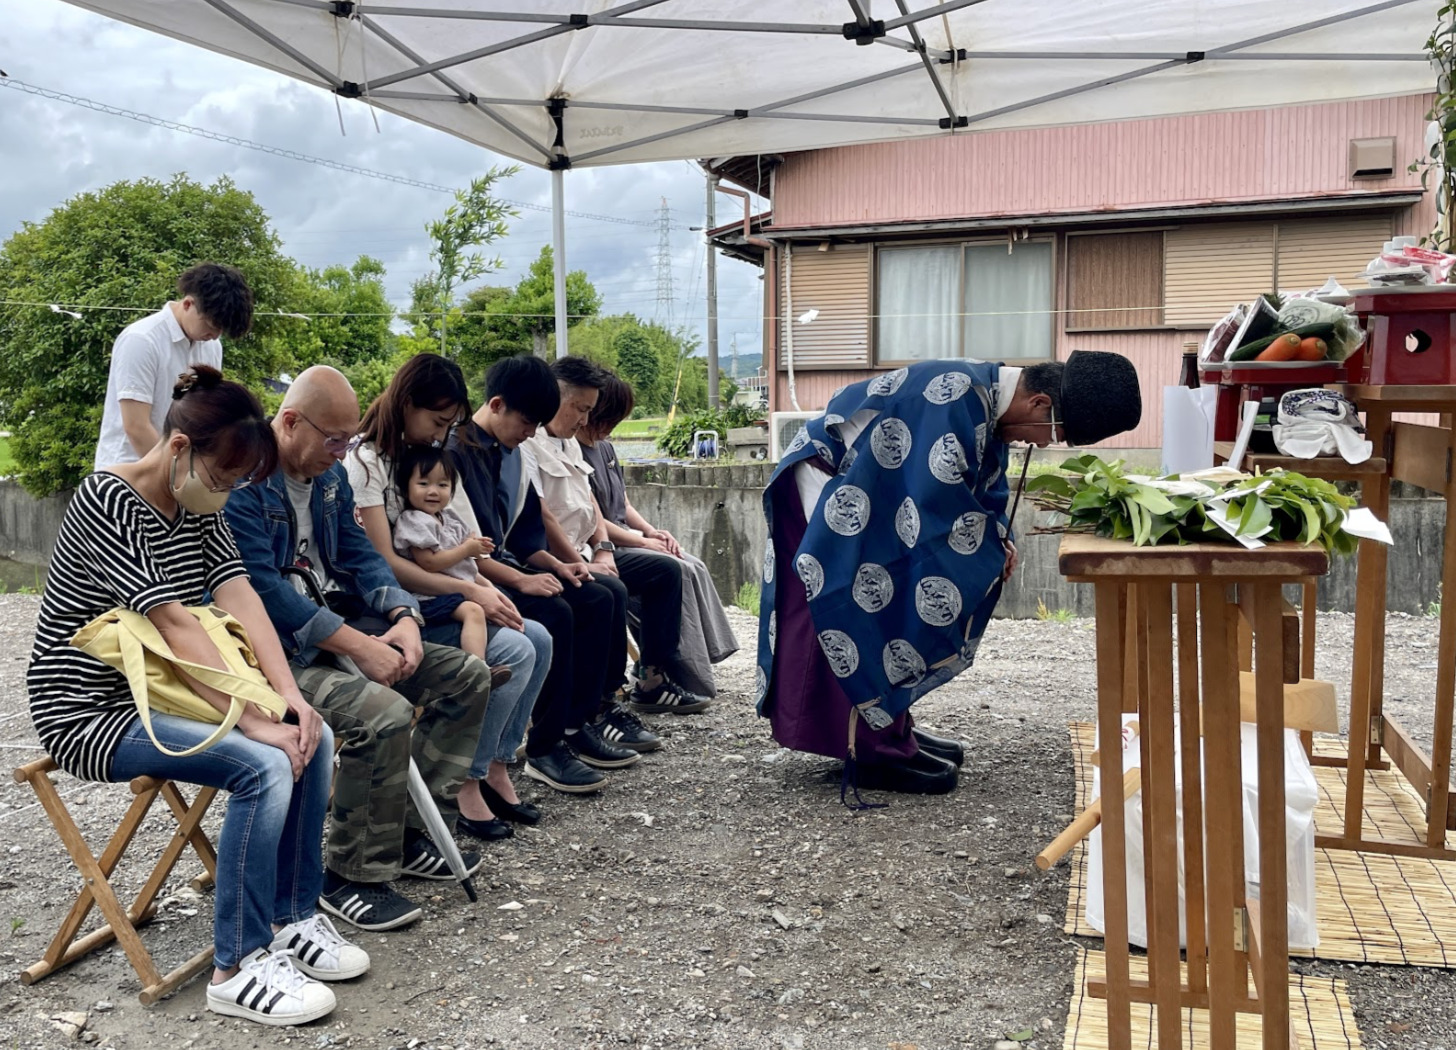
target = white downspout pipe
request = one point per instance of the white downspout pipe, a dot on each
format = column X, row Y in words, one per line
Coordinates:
column 789, row 322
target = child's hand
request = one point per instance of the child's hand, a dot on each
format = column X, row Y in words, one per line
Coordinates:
column 486, row 546
column 478, row 547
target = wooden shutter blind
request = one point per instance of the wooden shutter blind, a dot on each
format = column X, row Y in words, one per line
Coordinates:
column 837, row 284
column 1114, row 280
column 1311, row 250
column 1207, row 269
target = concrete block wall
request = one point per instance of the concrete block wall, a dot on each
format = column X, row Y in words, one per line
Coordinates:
column 717, row 513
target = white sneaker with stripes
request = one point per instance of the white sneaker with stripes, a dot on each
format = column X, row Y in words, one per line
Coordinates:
column 268, row 989
column 318, row 950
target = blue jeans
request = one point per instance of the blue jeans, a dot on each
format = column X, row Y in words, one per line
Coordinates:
column 527, row 653
column 270, row 854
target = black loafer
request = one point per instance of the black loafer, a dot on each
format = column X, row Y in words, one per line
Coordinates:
column 485, row 830
column 515, row 812
column 920, row 774
column 940, row 746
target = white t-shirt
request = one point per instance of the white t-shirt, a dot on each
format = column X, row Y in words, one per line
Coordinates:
column 146, row 360
column 371, row 476
column 305, row 554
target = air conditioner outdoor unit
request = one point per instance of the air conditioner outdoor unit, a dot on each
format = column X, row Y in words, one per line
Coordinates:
column 783, row 427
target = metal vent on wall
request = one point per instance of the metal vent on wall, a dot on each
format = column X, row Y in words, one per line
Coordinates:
column 1372, row 158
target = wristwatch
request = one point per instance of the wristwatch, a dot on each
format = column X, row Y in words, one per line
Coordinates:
column 405, row 610
column 606, row 545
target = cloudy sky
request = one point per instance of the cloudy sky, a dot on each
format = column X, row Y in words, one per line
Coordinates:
column 51, row 150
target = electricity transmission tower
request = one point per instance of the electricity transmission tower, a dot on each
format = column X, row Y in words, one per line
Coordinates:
column 663, row 311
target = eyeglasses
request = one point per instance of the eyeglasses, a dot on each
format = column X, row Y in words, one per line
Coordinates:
column 213, row 486
column 336, row 445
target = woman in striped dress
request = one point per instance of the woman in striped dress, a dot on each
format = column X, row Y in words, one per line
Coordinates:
column 147, row 536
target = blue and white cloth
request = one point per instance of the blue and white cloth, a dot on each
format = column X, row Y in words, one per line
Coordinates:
column 903, row 556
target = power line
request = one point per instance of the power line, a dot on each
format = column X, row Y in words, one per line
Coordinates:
column 278, row 151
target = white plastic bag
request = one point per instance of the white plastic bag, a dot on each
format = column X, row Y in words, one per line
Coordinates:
column 1301, row 793
column 1188, row 428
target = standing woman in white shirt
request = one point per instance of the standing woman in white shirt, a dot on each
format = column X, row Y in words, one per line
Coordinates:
column 212, row 300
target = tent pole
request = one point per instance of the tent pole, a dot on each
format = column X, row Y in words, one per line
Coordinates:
column 711, row 221
column 558, row 254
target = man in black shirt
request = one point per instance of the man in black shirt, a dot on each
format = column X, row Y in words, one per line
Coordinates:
column 564, row 743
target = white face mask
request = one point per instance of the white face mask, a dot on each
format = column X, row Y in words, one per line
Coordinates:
column 193, row 494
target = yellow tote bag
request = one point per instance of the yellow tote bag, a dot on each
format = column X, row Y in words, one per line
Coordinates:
column 132, row 644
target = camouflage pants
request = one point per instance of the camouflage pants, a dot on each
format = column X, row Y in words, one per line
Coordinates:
column 371, row 806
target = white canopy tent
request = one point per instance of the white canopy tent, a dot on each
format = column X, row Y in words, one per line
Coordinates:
column 575, row 83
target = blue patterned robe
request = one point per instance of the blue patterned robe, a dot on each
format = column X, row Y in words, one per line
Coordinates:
column 902, row 558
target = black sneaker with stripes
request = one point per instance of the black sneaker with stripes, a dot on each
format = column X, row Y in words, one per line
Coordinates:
column 423, row 860
column 268, row 989
column 667, row 698
column 369, row 905
column 621, row 727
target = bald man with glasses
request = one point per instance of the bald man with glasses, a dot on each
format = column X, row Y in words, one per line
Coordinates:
column 301, row 520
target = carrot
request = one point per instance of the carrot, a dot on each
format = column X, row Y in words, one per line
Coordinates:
column 1312, row 349
column 1282, row 349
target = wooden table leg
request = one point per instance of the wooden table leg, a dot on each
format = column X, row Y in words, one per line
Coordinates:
column 1223, row 812
column 1111, row 641
column 1190, row 729
column 1273, row 962
column 1438, row 805
column 1308, row 610
column 1160, row 798
column 1368, row 659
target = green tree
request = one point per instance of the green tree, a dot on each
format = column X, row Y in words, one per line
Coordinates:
column 482, row 337
column 475, row 219
column 349, row 315
column 684, row 375
column 370, row 377
column 529, row 313
column 122, row 246
column 638, row 363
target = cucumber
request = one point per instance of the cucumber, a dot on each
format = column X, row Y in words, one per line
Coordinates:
column 1248, row 351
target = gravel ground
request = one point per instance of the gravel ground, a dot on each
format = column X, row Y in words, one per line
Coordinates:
column 717, row 895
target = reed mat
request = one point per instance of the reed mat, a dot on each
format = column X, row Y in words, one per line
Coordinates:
column 1372, row 908
column 1318, row 1007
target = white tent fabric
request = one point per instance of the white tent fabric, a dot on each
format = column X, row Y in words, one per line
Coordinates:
column 573, row 83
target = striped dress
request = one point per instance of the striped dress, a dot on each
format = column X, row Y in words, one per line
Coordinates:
column 114, row 549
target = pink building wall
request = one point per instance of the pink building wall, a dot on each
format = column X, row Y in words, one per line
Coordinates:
column 1214, row 158
column 1249, row 155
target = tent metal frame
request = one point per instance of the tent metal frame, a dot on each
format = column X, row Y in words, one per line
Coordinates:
column 861, row 29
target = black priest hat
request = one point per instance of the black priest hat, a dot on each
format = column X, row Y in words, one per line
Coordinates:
column 1100, row 396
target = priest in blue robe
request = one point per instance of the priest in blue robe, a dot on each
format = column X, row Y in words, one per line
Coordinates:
column 889, row 541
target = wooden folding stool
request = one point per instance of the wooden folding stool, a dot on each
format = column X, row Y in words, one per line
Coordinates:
column 65, row 947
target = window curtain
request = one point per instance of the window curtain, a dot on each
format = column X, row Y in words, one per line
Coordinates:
column 918, row 300
column 1009, row 301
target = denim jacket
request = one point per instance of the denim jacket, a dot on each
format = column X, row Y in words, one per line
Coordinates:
column 261, row 518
